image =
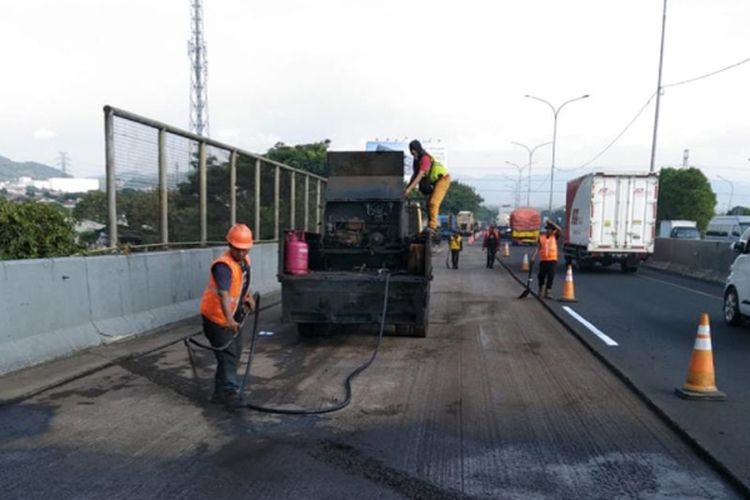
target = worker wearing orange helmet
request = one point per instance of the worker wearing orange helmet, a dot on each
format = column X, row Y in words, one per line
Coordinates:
column 226, row 300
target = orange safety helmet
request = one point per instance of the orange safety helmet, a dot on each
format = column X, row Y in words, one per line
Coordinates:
column 240, row 236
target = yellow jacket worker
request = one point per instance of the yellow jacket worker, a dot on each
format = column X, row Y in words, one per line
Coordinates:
column 456, row 244
column 433, row 180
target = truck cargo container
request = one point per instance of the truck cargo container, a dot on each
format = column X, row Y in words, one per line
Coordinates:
column 611, row 218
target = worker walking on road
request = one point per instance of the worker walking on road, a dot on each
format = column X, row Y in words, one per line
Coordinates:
column 491, row 243
column 456, row 245
column 226, row 300
column 433, row 181
column 547, row 250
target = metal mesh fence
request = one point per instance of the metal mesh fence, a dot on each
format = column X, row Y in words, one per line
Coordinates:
column 182, row 196
column 137, row 182
column 173, row 187
column 246, row 191
column 218, row 188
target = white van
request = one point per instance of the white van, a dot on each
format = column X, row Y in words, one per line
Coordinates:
column 727, row 227
column 737, row 287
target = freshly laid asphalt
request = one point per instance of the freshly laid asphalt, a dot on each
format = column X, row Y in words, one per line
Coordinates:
column 500, row 401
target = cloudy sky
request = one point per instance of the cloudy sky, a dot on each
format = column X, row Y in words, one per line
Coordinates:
column 350, row 71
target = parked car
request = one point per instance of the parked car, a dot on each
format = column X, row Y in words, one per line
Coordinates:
column 685, row 233
column 737, row 287
column 667, row 227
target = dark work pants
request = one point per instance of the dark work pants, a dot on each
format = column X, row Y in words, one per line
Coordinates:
column 491, row 252
column 546, row 274
column 454, row 258
column 226, row 360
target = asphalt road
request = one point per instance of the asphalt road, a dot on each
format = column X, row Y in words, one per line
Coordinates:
column 500, row 401
column 653, row 316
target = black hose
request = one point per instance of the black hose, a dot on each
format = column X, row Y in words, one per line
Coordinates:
column 191, row 340
column 347, row 383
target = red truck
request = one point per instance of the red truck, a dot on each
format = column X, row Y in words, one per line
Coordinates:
column 524, row 226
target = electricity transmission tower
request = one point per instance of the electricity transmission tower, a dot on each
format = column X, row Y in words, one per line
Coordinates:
column 199, row 71
column 62, row 161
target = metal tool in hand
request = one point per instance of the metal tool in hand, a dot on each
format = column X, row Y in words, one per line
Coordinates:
column 191, row 339
column 528, row 282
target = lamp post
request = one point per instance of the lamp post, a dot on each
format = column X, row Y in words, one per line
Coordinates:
column 520, row 168
column 555, row 112
column 731, row 192
column 531, row 155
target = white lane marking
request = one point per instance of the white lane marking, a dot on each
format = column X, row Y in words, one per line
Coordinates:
column 683, row 287
column 607, row 340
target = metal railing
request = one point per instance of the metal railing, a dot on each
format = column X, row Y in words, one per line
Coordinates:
column 175, row 187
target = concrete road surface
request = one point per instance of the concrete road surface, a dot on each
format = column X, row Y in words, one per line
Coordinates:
column 500, row 401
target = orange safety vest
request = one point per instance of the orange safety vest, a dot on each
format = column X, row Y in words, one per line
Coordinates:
column 547, row 248
column 211, row 301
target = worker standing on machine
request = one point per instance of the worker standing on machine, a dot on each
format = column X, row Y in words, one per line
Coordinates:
column 226, row 300
column 547, row 251
column 433, row 181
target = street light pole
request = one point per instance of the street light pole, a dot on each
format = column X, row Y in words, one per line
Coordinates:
column 517, row 198
column 658, row 87
column 731, row 192
column 555, row 112
column 531, row 155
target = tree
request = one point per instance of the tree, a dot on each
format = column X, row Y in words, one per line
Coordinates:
column 739, row 210
column 460, row 197
column 31, row 230
column 92, row 206
column 685, row 193
column 308, row 157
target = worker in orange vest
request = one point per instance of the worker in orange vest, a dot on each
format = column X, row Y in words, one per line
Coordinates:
column 547, row 250
column 226, row 300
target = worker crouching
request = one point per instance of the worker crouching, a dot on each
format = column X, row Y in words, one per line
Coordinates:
column 226, row 300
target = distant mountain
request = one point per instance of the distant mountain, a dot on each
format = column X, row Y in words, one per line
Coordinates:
column 11, row 170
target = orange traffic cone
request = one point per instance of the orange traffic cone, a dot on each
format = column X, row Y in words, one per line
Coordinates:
column 569, row 292
column 700, row 382
column 525, row 263
column 506, row 250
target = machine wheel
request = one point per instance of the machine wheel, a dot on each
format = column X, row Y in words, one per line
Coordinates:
column 732, row 308
column 628, row 266
column 419, row 331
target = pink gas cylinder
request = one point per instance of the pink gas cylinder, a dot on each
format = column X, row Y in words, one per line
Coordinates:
column 296, row 253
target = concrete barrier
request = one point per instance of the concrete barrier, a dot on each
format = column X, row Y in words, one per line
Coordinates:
column 51, row 308
column 708, row 260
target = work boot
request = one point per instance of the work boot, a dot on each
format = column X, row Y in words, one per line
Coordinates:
column 222, row 396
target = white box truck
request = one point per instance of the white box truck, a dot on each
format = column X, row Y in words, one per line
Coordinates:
column 465, row 222
column 610, row 218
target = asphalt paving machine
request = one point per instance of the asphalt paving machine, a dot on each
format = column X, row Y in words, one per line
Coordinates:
column 368, row 230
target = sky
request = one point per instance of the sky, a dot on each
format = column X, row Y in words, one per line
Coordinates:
column 300, row 71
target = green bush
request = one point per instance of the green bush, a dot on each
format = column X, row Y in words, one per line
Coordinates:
column 32, row 230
